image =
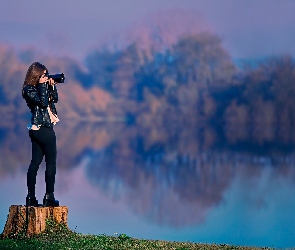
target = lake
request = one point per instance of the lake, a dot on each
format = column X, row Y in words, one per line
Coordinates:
column 178, row 184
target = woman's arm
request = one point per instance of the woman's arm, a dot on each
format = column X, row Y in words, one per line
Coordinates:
column 53, row 93
column 37, row 95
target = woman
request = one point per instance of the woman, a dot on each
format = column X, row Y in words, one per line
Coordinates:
column 40, row 93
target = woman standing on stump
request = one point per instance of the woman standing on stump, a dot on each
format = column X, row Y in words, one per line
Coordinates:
column 40, row 93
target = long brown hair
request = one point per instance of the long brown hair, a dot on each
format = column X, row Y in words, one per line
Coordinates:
column 33, row 74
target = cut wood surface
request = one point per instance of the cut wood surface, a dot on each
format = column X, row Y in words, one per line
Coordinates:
column 32, row 220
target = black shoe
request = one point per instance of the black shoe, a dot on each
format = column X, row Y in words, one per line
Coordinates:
column 50, row 201
column 31, row 201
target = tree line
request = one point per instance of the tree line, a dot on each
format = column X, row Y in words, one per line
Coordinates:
column 193, row 82
column 196, row 82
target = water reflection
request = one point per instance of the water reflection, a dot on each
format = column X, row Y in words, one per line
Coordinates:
column 174, row 189
column 176, row 179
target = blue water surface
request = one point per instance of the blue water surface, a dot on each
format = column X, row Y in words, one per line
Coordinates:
column 115, row 183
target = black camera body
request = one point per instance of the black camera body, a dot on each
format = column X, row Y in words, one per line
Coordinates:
column 58, row 78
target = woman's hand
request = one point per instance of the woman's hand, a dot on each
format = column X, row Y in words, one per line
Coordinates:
column 51, row 82
column 44, row 79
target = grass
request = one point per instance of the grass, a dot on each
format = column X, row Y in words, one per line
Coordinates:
column 59, row 236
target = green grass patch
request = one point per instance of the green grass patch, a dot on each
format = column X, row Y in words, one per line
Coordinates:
column 59, row 236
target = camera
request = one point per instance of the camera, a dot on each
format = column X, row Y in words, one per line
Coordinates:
column 58, row 78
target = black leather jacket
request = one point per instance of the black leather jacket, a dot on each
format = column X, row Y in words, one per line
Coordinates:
column 37, row 98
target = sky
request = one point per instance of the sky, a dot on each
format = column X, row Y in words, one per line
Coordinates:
column 249, row 29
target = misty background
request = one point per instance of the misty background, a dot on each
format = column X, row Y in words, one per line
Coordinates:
column 173, row 63
column 170, row 107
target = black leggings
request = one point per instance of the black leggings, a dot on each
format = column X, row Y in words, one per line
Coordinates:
column 43, row 143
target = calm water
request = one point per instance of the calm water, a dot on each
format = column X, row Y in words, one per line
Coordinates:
column 178, row 184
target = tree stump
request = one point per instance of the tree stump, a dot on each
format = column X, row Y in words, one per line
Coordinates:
column 32, row 220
